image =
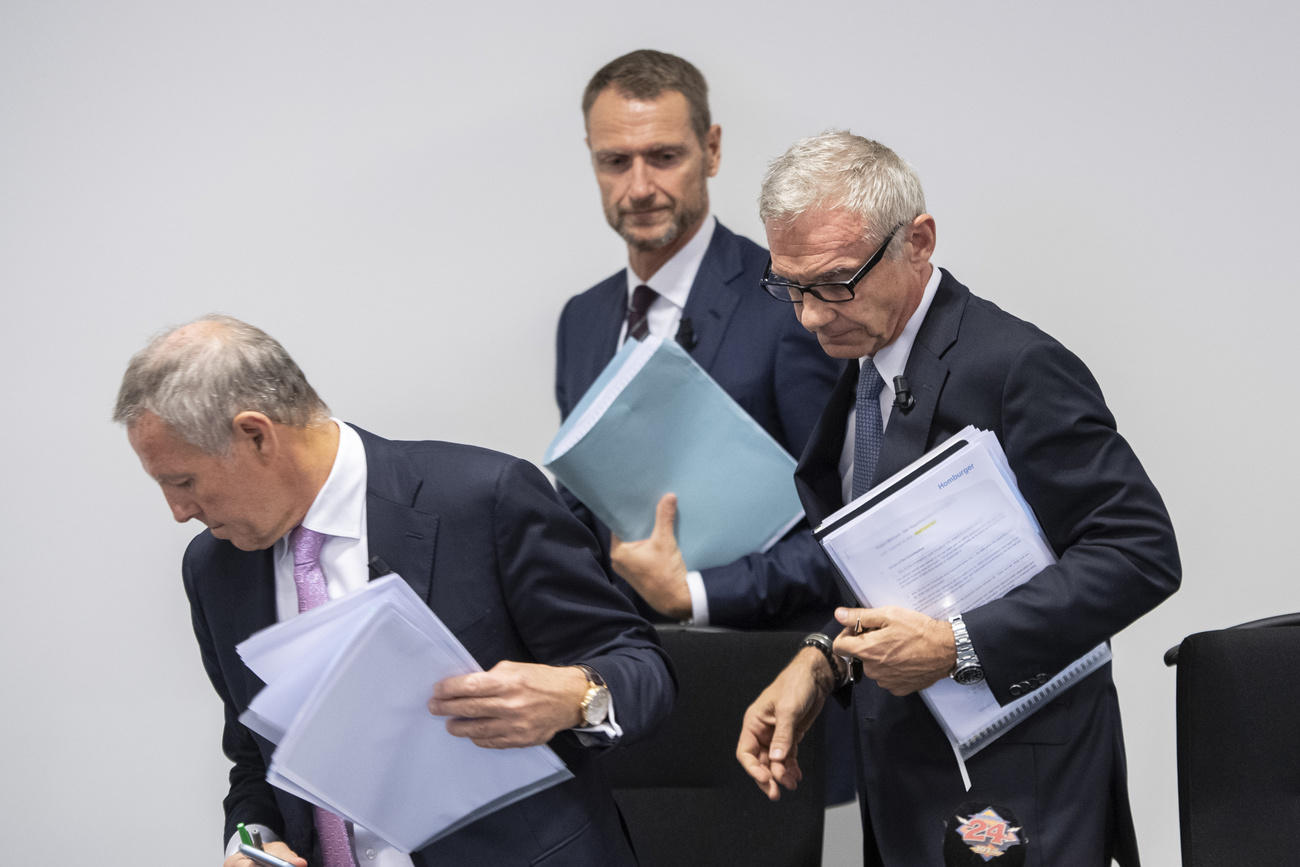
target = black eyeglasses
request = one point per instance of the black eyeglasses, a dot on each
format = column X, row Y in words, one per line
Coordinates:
column 833, row 292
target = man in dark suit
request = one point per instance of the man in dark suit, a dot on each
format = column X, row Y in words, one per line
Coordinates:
column 297, row 504
column 851, row 246
column 653, row 149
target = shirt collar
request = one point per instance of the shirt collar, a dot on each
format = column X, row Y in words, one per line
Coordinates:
column 891, row 361
column 673, row 281
column 339, row 508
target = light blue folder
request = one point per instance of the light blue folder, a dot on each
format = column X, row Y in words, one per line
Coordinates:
column 654, row 422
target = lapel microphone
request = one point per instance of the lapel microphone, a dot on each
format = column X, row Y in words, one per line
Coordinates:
column 902, row 394
column 686, row 334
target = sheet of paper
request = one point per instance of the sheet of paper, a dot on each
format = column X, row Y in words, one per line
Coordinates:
column 347, row 691
column 941, row 554
column 308, row 638
column 366, row 746
column 291, row 657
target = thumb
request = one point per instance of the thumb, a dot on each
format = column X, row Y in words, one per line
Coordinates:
column 666, row 516
column 782, row 738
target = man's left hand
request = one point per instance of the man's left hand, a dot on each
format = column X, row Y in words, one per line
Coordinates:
column 902, row 650
column 513, row 704
column 654, row 565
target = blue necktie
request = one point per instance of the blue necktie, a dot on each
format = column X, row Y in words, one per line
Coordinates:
column 868, row 429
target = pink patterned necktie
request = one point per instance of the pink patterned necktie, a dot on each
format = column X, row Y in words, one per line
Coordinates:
column 309, row 579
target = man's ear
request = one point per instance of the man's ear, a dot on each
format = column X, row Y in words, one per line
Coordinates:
column 713, row 148
column 256, row 430
column 921, row 235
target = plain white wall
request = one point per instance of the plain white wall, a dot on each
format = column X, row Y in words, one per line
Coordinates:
column 399, row 192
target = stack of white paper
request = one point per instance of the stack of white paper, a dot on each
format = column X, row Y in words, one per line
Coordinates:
column 347, row 686
column 944, row 535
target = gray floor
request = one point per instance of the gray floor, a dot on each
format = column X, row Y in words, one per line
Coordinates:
column 842, row 844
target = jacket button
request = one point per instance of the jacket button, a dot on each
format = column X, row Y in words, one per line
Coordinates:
column 1016, row 690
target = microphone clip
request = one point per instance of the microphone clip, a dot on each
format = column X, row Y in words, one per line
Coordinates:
column 903, row 399
column 686, row 334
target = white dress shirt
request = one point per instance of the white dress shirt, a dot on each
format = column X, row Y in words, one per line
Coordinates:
column 673, row 284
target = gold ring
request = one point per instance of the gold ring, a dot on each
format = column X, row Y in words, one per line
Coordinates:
column 857, row 630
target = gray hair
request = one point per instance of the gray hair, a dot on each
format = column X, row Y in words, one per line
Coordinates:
column 841, row 171
column 199, row 376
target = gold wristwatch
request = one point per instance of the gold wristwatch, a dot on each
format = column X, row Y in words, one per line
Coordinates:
column 595, row 704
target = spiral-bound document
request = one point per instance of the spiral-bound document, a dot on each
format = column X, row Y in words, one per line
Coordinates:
column 944, row 535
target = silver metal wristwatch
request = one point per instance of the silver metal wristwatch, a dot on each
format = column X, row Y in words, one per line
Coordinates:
column 968, row 669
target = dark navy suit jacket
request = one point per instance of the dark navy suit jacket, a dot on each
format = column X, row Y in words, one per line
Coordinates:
column 754, row 347
column 483, row 539
column 1062, row 771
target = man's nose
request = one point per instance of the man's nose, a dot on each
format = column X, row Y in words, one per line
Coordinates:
column 642, row 184
column 813, row 312
column 183, row 508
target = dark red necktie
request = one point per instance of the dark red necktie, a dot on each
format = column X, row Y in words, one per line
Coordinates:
column 638, row 322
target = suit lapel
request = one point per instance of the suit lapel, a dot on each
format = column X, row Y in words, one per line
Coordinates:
column 254, row 586
column 713, row 299
column 610, row 313
column 909, row 434
column 258, row 591
column 398, row 533
column 817, row 476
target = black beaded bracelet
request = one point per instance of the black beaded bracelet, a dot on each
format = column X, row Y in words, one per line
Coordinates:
column 822, row 642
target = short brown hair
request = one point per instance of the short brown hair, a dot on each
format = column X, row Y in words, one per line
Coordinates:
column 644, row 74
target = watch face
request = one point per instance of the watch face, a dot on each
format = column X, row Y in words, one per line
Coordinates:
column 968, row 674
column 596, row 707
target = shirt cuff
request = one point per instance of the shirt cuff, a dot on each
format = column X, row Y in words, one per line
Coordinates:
column 606, row 733
column 699, row 599
column 268, row 836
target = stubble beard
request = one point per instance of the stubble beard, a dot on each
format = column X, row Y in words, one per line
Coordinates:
column 684, row 217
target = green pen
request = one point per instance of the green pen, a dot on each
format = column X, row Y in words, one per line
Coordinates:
column 244, row 836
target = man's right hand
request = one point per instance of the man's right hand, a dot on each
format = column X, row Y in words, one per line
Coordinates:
column 654, row 565
column 776, row 722
column 276, row 848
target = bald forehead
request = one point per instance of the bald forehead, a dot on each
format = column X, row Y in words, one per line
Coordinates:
column 199, row 331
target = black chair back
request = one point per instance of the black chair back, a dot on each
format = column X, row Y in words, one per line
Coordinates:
column 1238, row 721
column 685, row 798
